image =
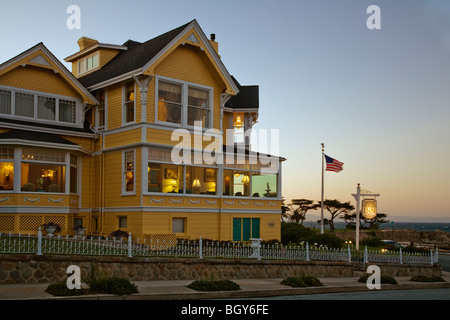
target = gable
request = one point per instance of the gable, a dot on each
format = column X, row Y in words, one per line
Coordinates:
column 193, row 37
column 37, row 69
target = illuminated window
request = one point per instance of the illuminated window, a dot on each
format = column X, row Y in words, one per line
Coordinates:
column 129, row 103
column 128, row 172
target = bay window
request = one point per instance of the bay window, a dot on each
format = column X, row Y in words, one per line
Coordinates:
column 38, row 106
column 182, row 103
column 166, row 177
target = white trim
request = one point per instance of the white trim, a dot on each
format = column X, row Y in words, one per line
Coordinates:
column 38, row 209
column 126, row 76
column 50, row 55
column 93, row 47
column 189, row 210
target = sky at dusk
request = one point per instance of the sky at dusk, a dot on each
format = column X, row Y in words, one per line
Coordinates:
column 378, row 99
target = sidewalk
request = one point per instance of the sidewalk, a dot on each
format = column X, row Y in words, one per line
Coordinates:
column 250, row 288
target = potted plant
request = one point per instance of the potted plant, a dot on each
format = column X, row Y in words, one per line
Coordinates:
column 51, row 227
column 79, row 230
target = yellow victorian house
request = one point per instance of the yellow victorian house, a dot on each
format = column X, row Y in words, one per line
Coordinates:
column 150, row 138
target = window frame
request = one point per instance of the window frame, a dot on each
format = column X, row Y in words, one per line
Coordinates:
column 185, row 85
column 85, row 60
column 76, row 111
column 125, row 103
column 126, row 192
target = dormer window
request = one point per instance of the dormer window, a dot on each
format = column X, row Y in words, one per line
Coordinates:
column 89, row 63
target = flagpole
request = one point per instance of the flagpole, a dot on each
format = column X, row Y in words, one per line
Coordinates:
column 321, row 202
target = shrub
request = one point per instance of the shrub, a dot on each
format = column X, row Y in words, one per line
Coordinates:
column 93, row 277
column 59, row 288
column 208, row 285
column 421, row 278
column 119, row 234
column 294, row 233
column 302, row 281
column 114, row 285
column 383, row 279
column 372, row 242
column 326, row 239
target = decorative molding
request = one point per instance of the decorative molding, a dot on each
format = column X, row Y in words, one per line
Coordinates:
column 211, row 202
column 5, row 199
column 194, row 202
column 157, row 201
column 258, row 204
column 229, row 203
column 176, row 201
column 38, row 199
column 243, row 203
column 54, row 201
column 271, row 204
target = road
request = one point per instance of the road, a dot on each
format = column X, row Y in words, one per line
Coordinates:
column 424, row 294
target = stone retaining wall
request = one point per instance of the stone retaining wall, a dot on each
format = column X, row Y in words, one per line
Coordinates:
column 51, row 268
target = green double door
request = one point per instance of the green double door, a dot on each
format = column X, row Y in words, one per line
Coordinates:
column 245, row 228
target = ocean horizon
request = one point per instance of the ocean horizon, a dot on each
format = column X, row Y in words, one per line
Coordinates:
column 417, row 226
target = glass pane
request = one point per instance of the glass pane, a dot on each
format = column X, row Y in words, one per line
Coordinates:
column 169, row 102
column 236, row 183
column 198, row 114
column 38, row 177
column 255, row 227
column 24, row 105
column 200, row 180
column 73, row 180
column 46, row 108
column 198, row 110
column 178, row 225
column 67, row 111
column 5, row 101
column 6, row 176
column 246, row 229
column 264, row 185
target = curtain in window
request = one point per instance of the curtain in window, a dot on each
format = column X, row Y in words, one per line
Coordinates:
column 169, row 102
column 5, row 101
column 46, row 108
column 198, row 106
column 67, row 111
column 24, row 104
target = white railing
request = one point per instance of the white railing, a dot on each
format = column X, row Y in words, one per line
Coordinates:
column 19, row 244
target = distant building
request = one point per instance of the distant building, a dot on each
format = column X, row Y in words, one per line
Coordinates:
column 93, row 147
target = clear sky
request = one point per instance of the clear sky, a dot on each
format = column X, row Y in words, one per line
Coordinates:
column 378, row 99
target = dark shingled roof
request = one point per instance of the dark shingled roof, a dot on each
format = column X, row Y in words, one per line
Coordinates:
column 34, row 136
column 136, row 56
column 247, row 98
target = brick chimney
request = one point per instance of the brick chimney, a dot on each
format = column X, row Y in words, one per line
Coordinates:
column 214, row 44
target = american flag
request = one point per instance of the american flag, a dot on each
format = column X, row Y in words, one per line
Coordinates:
column 333, row 164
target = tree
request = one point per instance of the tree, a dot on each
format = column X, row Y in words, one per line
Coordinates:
column 284, row 210
column 336, row 208
column 350, row 220
column 299, row 208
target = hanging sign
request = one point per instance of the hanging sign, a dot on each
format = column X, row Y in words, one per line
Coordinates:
column 369, row 208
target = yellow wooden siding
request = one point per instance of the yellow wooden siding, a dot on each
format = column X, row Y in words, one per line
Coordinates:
column 38, row 79
column 106, row 55
column 123, row 138
column 114, row 106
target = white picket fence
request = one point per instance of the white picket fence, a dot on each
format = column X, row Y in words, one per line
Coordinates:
column 19, row 244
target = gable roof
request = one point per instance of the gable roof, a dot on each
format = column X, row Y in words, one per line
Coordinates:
column 140, row 56
column 40, row 56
